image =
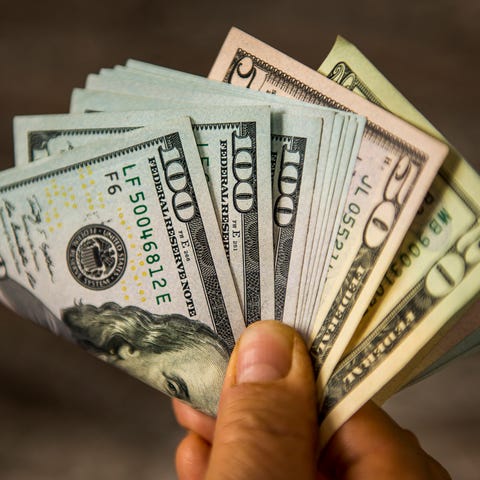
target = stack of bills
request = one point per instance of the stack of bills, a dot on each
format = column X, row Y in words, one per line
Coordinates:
column 148, row 223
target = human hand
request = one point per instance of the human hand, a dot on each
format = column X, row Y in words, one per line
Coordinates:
column 266, row 426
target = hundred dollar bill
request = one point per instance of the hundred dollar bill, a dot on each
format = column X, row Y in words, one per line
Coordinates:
column 158, row 81
column 434, row 274
column 92, row 101
column 294, row 165
column 334, row 180
column 288, row 121
column 324, row 245
column 149, row 85
column 234, row 145
column 332, row 184
column 396, row 164
column 319, row 213
column 116, row 246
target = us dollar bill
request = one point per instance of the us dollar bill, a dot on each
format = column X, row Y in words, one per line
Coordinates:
column 342, row 148
column 116, row 246
column 93, row 101
column 336, row 195
column 149, row 85
column 468, row 345
column 338, row 66
column 294, row 165
column 285, row 115
column 434, row 274
column 396, row 164
column 328, row 201
column 449, row 344
column 234, row 147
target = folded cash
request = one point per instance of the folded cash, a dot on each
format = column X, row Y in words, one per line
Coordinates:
column 148, row 223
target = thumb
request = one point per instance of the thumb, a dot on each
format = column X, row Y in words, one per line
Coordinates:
column 266, row 425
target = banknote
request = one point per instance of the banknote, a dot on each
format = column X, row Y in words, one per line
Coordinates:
column 294, row 165
column 396, row 164
column 342, row 152
column 433, row 275
column 287, row 118
column 338, row 66
column 446, row 346
column 469, row 345
column 460, row 340
column 330, row 197
column 148, row 85
column 115, row 245
column 336, row 195
column 91, row 101
column 234, row 146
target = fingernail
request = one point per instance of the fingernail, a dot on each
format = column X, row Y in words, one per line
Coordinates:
column 264, row 353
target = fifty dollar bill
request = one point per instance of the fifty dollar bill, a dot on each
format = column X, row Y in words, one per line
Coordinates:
column 433, row 276
column 396, row 165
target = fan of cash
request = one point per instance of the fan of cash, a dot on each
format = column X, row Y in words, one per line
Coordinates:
column 168, row 211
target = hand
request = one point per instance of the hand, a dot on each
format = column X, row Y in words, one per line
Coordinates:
column 266, row 426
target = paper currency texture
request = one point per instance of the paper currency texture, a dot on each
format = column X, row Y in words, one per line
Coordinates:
column 116, row 246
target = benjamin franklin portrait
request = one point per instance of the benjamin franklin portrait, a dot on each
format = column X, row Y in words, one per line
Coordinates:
column 181, row 357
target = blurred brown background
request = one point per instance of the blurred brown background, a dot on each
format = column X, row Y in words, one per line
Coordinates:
column 63, row 414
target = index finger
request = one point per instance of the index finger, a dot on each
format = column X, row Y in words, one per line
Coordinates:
column 193, row 420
